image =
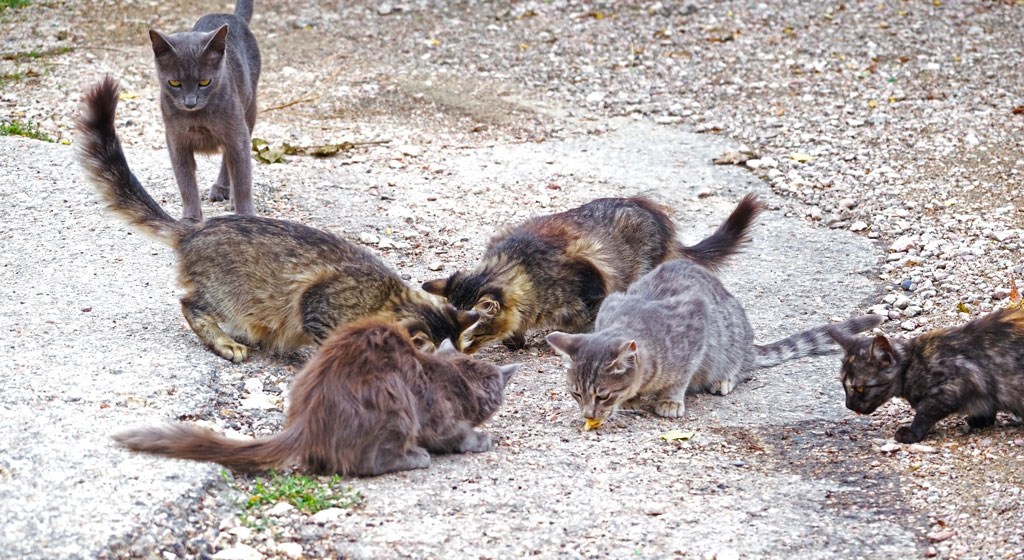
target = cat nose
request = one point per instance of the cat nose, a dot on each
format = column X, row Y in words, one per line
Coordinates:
column 191, row 101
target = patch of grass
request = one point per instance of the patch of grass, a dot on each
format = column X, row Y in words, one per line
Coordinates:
column 307, row 494
column 34, row 54
column 14, row 4
column 28, row 130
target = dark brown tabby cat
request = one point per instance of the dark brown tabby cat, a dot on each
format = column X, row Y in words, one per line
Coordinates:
column 976, row 369
column 554, row 271
column 208, row 79
column 276, row 283
column 367, row 403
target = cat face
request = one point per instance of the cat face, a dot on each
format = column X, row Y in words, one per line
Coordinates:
column 487, row 301
column 485, row 380
column 189, row 65
column 602, row 372
column 870, row 371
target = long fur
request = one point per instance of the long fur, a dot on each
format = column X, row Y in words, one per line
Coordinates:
column 367, row 403
column 103, row 159
column 243, row 9
column 728, row 239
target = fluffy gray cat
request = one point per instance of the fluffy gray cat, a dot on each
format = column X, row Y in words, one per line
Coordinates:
column 676, row 329
column 208, row 80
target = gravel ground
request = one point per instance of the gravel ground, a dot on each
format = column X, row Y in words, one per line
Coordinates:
column 883, row 136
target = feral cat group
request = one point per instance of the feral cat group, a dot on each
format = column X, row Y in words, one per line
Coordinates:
column 208, row 80
column 367, row 403
column 392, row 380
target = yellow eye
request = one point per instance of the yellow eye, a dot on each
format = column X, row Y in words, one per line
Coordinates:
column 174, row 83
column 859, row 389
column 204, row 83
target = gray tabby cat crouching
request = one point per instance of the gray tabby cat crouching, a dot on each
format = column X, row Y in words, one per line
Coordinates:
column 676, row 329
column 208, row 79
column 367, row 403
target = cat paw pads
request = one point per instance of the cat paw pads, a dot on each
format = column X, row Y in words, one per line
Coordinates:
column 669, row 409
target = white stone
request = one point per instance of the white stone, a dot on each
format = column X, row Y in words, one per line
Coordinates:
column 280, row 508
column 665, row 119
column 1004, row 235
column 912, row 311
column 412, row 151
column 858, row 226
column 259, row 401
column 290, row 549
column 238, row 552
column 327, row 515
column 769, row 162
column 903, row 244
column 243, row 533
column 596, row 97
column 908, row 325
column 889, row 447
column 879, row 309
column 253, row 385
column 385, row 9
column 386, row 243
column 902, row 302
column 368, row 238
column 435, row 266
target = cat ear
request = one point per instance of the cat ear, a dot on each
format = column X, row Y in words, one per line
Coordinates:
column 161, row 45
column 218, row 40
column 446, row 346
column 627, row 356
column 844, row 340
column 508, row 371
column 565, row 344
column 487, row 307
column 436, row 287
column 881, row 351
column 422, row 342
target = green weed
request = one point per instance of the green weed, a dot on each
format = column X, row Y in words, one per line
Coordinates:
column 28, row 130
column 307, row 494
column 14, row 4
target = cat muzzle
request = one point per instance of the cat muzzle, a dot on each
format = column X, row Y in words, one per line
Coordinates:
column 190, row 101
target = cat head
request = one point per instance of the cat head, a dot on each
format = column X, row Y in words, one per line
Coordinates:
column 489, row 301
column 871, row 370
column 189, row 65
column 431, row 323
column 602, row 371
column 485, row 381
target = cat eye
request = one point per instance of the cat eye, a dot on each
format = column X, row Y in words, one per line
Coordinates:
column 174, row 83
column 859, row 389
column 204, row 83
column 604, row 396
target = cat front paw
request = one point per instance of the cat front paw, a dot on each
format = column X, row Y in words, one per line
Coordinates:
column 220, row 192
column 231, row 350
column 669, row 408
column 904, row 434
column 475, row 442
column 632, row 404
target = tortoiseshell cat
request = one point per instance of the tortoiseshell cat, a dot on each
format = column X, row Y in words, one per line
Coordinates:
column 554, row 271
column 208, row 78
column 275, row 283
column 367, row 403
column 975, row 369
column 676, row 329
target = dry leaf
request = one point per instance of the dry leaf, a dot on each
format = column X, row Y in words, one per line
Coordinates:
column 677, row 435
column 801, row 157
column 961, row 307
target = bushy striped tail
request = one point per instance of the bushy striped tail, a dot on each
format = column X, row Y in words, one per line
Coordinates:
column 184, row 441
column 811, row 342
column 243, row 9
column 728, row 239
column 105, row 166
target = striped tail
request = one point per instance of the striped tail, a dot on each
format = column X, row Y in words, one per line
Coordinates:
column 811, row 342
column 243, row 9
column 103, row 159
column 184, row 441
column 728, row 239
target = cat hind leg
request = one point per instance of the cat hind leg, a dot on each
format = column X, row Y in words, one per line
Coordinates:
column 206, row 328
column 414, row 458
column 475, row 442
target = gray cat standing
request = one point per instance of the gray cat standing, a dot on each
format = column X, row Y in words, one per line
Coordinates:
column 677, row 329
column 208, row 79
